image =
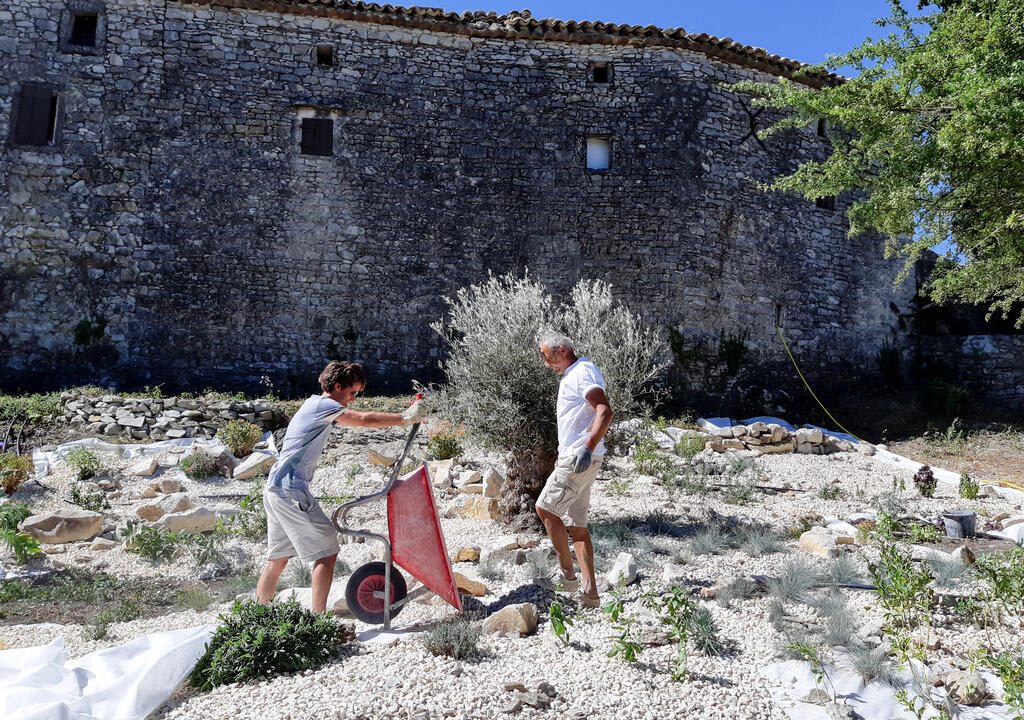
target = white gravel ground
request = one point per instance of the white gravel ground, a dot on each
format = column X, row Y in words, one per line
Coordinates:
column 402, row 680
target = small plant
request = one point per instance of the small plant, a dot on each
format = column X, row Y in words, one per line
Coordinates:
column 758, row 542
column 811, row 654
column 491, row 571
column 872, row 664
column 741, row 491
column 887, row 527
column 799, row 527
column 560, row 624
column 301, row 574
column 152, row 543
column 199, row 465
column 925, row 481
column 14, row 470
column 95, row 501
column 968, row 487
column 648, row 459
column 256, row 641
column 948, row 573
column 830, row 492
column 84, row 462
column 252, row 520
column 203, row 548
column 99, row 624
column 13, row 513
column 923, row 533
column 838, row 628
column 196, row 598
column 711, row 541
column 444, row 443
column 457, row 638
column 1003, row 575
column 689, row 445
column 614, row 607
column 843, row 570
column 618, row 485
column 1010, row 668
column 703, row 632
column 21, row 545
column 625, row 646
column 239, row 436
column 795, row 581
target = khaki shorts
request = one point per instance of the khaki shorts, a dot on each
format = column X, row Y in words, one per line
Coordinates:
column 567, row 494
column 297, row 526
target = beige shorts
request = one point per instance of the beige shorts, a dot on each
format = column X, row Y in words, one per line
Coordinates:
column 297, row 526
column 567, row 494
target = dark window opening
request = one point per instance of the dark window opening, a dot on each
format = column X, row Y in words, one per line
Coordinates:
column 826, row 203
column 37, row 116
column 317, row 136
column 83, row 29
column 822, row 127
column 324, row 55
column 601, row 72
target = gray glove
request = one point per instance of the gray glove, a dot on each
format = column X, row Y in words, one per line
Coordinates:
column 581, row 459
column 415, row 413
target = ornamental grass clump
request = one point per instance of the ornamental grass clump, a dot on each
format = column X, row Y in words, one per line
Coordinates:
column 239, row 436
column 456, row 639
column 258, row 641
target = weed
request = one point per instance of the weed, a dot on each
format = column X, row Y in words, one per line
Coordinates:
column 457, row 638
column 84, row 462
column 203, row 548
column 1003, row 575
column 444, row 443
column 811, row 654
column 689, row 445
column 252, row 521
column 560, row 624
column 887, row 527
column 13, row 513
column 35, row 406
column 799, row 527
column 95, row 501
column 14, row 470
column 740, row 492
column 239, row 436
column 1010, row 668
column 648, row 459
column 619, row 485
column 255, row 641
column 925, row 481
column 22, row 545
column 969, row 487
column 199, row 465
column 614, row 607
column 923, row 533
column 732, row 350
column 625, row 646
column 830, row 492
column 99, row 623
column 197, row 598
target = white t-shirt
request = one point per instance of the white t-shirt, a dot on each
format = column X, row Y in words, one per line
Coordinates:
column 575, row 414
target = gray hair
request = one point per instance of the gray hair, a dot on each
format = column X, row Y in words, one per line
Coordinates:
column 555, row 340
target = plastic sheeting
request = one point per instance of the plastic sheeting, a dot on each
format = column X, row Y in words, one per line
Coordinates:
column 122, row 683
column 794, row 679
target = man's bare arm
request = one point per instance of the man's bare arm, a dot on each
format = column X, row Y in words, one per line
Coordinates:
column 599, row 401
column 368, row 419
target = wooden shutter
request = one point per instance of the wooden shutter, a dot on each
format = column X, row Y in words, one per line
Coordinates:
column 36, row 116
column 317, row 136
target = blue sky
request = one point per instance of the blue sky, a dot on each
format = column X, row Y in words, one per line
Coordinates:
column 804, row 30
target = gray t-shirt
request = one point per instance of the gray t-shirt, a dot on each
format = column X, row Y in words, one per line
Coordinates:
column 303, row 442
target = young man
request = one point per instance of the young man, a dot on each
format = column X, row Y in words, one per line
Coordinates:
column 583, row 418
column 296, row 526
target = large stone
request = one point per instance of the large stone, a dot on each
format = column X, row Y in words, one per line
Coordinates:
column 502, row 554
column 144, row 467
column 623, row 571
column 380, row 459
column 466, row 554
column 865, row 448
column 196, row 520
column 470, row 587
column 100, row 543
column 809, row 435
column 492, row 483
column 467, row 477
column 780, row 447
column 967, row 688
column 440, row 472
column 819, row 541
column 673, row 574
column 174, row 503
column 254, row 465
column 169, row 486
column 518, row 619
column 473, row 507
column 225, row 463
column 62, row 526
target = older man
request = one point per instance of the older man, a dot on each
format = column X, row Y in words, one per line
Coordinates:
column 583, row 414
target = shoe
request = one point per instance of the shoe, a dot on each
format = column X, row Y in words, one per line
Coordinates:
column 561, row 585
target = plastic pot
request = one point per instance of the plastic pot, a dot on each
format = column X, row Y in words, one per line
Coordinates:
column 959, row 523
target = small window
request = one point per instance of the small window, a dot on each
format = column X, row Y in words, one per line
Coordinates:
column 822, row 127
column 83, row 29
column 317, row 136
column 324, row 54
column 600, row 73
column 826, row 203
column 598, row 152
column 36, row 120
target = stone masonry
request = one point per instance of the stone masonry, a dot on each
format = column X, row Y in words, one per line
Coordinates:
column 172, row 231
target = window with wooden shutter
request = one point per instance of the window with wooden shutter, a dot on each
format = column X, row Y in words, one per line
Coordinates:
column 36, row 119
column 317, row 136
column 83, row 29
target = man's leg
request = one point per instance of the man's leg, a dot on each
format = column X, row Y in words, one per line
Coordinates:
column 585, row 554
column 560, row 540
column 267, row 585
column 323, row 576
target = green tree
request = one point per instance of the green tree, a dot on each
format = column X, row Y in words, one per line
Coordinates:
column 929, row 132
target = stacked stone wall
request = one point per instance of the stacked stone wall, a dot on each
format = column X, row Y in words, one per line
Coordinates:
column 176, row 234
column 991, row 366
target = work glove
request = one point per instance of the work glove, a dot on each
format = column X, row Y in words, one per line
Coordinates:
column 415, row 413
column 581, row 459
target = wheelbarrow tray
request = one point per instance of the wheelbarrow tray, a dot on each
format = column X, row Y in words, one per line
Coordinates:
column 417, row 543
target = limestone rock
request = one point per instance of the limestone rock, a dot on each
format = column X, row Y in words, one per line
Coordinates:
column 623, row 571
column 492, row 483
column 169, row 486
column 440, row 473
column 100, row 543
column 520, row 619
column 472, row 489
column 196, row 520
column 253, row 465
column 145, row 467
column 225, row 463
column 174, row 503
column 380, row 459
column 474, row 507
column 779, row 447
column 467, row 477
column 502, row 553
column 963, row 554
column 148, row 493
column 466, row 554
column 470, row 587
column 967, row 688
column 865, row 448
column 673, row 574
column 63, row 526
column 819, row 541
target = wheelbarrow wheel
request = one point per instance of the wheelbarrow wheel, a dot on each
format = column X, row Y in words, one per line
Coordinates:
column 362, row 586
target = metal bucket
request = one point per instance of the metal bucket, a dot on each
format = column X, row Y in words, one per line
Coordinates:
column 959, row 523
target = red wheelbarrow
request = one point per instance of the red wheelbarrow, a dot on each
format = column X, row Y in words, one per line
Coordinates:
column 376, row 592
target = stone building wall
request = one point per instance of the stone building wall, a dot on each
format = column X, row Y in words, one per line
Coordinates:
column 991, row 366
column 174, row 233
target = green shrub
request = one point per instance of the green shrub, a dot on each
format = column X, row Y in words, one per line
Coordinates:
column 251, row 521
column 13, row 513
column 84, row 462
column 152, row 543
column 95, row 501
column 689, row 445
column 456, row 638
column 199, row 465
column 14, row 470
column 239, row 436
column 968, row 487
column 258, row 641
column 22, row 545
column 444, row 444
column 33, row 406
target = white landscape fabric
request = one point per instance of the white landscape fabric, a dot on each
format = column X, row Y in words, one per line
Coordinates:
column 121, row 683
column 794, row 679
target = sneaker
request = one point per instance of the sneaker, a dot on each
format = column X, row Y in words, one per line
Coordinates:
column 558, row 584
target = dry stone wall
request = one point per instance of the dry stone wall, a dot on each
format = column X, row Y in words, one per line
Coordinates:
column 173, row 232
column 991, row 366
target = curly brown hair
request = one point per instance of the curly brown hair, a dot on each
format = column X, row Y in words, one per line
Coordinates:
column 341, row 373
